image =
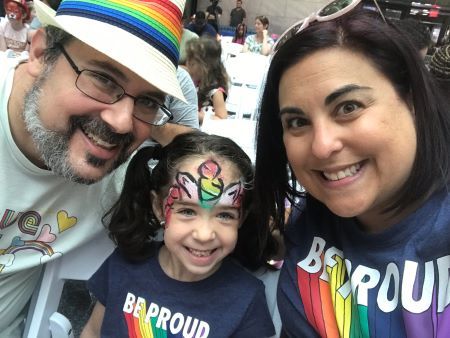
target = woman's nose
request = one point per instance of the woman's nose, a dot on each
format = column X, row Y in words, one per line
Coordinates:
column 326, row 140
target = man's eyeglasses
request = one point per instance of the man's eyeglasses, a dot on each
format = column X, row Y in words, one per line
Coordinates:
column 329, row 12
column 104, row 89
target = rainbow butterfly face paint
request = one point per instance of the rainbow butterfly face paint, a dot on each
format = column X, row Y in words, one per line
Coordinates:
column 202, row 212
column 208, row 189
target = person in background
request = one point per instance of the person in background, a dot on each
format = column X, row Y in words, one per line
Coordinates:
column 240, row 34
column 204, row 64
column 237, row 14
column 417, row 32
column 185, row 37
column 440, row 68
column 261, row 42
column 350, row 112
column 71, row 114
column 213, row 14
column 201, row 27
column 199, row 195
column 35, row 24
column 14, row 29
column 184, row 112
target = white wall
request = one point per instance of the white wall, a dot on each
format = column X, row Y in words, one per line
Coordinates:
column 281, row 13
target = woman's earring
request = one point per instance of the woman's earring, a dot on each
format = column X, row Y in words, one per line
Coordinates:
column 163, row 224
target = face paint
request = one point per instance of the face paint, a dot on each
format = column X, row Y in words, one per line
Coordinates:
column 13, row 11
column 174, row 194
column 208, row 189
column 210, row 185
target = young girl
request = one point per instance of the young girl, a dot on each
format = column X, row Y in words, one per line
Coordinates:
column 240, row 34
column 14, row 30
column 203, row 62
column 189, row 285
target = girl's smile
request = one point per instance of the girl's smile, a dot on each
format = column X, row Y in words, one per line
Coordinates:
column 202, row 211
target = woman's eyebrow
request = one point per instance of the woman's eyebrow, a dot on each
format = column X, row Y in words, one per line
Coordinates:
column 342, row 91
column 291, row 110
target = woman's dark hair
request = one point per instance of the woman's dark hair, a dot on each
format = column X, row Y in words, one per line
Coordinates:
column 236, row 32
column 132, row 223
column 264, row 20
column 395, row 57
column 207, row 52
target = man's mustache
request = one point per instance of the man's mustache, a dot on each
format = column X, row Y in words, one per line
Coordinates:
column 101, row 130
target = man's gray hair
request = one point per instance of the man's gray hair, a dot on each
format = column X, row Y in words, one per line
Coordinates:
column 55, row 36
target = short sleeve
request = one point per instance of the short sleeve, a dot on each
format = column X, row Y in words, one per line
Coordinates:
column 98, row 284
column 184, row 113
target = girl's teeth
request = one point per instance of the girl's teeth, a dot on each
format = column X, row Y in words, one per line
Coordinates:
column 348, row 172
column 201, row 253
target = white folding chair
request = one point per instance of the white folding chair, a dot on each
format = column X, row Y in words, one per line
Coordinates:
column 270, row 280
column 230, row 49
column 240, row 131
column 43, row 319
column 247, row 72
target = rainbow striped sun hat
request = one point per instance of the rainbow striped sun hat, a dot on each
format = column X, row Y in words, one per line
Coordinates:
column 142, row 35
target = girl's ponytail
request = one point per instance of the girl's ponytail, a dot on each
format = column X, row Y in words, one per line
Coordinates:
column 131, row 221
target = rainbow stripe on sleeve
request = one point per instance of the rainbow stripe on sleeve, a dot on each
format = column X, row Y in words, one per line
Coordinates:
column 149, row 20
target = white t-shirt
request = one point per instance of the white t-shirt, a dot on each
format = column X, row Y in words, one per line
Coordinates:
column 15, row 40
column 42, row 216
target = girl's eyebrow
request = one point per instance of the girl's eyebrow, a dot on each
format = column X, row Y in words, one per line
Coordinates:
column 342, row 91
column 196, row 203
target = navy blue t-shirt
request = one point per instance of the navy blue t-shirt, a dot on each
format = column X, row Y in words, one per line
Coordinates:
column 338, row 281
column 140, row 297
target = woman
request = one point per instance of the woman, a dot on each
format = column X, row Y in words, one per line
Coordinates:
column 261, row 42
column 204, row 64
column 351, row 113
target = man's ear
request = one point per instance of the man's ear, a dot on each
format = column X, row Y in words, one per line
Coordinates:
column 36, row 52
column 157, row 205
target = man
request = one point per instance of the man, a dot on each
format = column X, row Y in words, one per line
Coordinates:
column 90, row 93
column 200, row 27
column 237, row 14
column 213, row 14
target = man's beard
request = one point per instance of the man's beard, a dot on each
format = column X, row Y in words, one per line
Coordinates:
column 53, row 145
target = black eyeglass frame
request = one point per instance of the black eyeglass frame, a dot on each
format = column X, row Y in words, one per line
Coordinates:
column 124, row 93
